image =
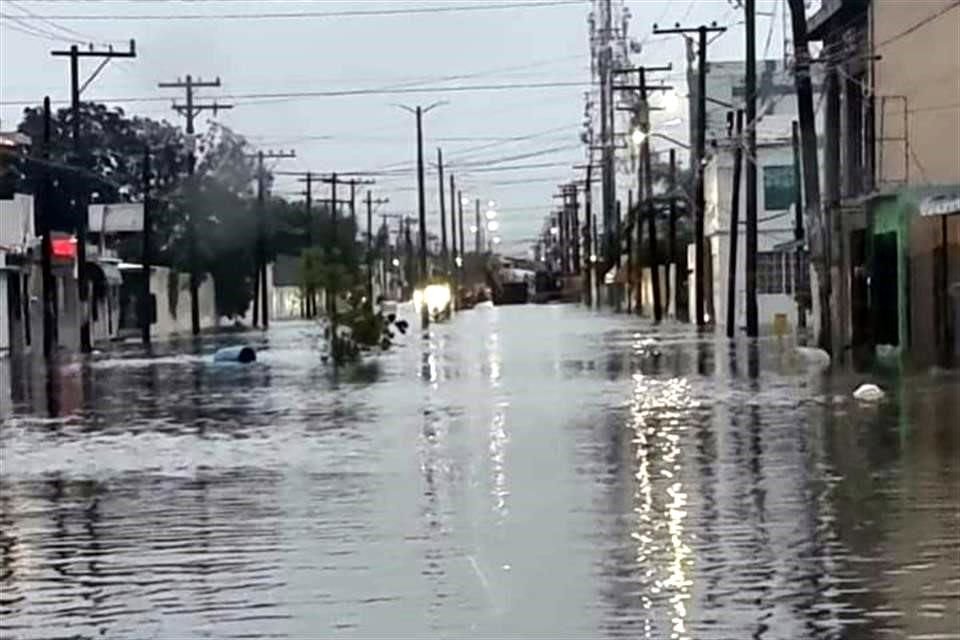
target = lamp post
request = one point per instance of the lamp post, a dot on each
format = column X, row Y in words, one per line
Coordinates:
column 421, row 204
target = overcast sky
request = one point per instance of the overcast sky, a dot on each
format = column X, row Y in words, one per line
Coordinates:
column 543, row 44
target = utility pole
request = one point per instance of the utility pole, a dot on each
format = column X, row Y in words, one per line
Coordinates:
column 146, row 257
column 50, row 311
column 262, row 233
column 311, row 310
column 477, row 235
column 445, row 255
column 798, row 235
column 673, row 294
column 590, row 232
column 819, row 247
column 453, row 227
column 734, row 227
column 575, row 223
column 463, row 246
column 80, row 201
column 353, row 204
column 750, row 11
column 370, row 203
column 189, row 110
column 641, row 112
column 699, row 155
column 607, row 168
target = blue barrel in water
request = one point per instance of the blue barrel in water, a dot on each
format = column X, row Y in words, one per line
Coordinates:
column 239, row 353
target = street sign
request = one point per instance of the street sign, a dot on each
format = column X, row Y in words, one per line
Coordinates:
column 124, row 217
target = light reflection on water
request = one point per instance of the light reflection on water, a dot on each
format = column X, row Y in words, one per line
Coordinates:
column 524, row 472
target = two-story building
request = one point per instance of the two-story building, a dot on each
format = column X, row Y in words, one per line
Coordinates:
column 891, row 144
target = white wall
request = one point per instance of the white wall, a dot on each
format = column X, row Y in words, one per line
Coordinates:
column 4, row 312
column 774, row 227
column 16, row 221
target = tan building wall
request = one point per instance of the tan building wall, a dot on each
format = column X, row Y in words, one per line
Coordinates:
column 919, row 45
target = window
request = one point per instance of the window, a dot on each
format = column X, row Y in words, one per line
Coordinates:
column 777, row 187
column 770, row 272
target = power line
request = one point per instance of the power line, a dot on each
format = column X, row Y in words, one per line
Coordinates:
column 913, row 28
column 70, row 32
column 292, row 95
column 353, row 13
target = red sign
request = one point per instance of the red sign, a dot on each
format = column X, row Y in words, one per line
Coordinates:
column 64, row 248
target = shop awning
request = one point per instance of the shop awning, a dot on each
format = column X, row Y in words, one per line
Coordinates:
column 940, row 205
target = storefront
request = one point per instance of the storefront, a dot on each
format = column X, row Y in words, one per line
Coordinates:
column 914, row 275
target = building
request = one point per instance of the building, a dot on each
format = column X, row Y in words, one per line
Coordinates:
column 892, row 173
column 781, row 270
column 778, row 269
column 169, row 304
column 16, row 238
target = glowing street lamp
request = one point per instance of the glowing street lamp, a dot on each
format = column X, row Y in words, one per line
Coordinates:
column 493, row 225
column 491, row 214
column 496, row 240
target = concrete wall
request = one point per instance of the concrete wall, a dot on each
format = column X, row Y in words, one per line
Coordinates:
column 775, row 226
column 922, row 65
column 4, row 312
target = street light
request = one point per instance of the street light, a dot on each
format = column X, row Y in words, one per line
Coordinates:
column 418, row 112
column 491, row 214
column 493, row 225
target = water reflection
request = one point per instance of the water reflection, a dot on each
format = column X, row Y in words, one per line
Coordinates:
column 522, row 472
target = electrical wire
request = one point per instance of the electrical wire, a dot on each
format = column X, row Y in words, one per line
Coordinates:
column 16, row 24
column 299, row 15
column 70, row 32
column 251, row 98
column 916, row 26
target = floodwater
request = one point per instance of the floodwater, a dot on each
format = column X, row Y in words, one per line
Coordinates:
column 524, row 472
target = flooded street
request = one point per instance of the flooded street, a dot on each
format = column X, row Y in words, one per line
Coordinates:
column 526, row 472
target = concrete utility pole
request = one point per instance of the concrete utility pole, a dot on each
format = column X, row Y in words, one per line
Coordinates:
column 80, row 203
column 699, row 156
column 734, row 227
column 819, row 246
column 189, row 110
column 750, row 13
column 607, row 161
column 261, row 251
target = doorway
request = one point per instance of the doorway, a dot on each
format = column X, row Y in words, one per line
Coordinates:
column 884, row 289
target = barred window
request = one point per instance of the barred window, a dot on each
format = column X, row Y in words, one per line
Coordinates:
column 770, row 272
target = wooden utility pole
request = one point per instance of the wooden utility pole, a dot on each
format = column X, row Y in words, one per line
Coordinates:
column 50, row 304
column 463, row 246
column 453, row 227
column 261, row 251
column 189, row 110
column 798, row 234
column 445, row 253
column 734, row 227
column 818, row 242
column 370, row 204
column 672, row 237
column 477, row 243
column 753, row 324
column 699, row 157
column 81, row 196
column 146, row 256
